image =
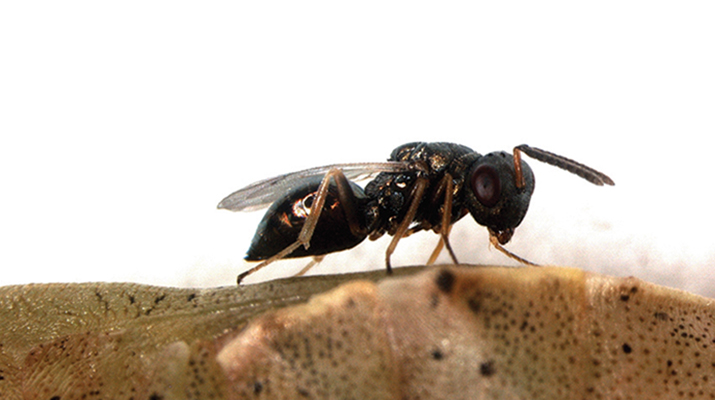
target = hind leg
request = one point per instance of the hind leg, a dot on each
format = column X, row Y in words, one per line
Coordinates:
column 347, row 201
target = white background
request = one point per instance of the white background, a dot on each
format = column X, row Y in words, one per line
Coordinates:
column 122, row 124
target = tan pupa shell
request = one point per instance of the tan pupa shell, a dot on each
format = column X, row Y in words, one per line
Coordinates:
column 468, row 332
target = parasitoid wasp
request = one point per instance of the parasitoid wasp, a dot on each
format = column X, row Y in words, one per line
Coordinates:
column 422, row 186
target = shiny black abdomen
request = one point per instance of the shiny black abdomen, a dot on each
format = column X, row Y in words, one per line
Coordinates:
column 284, row 220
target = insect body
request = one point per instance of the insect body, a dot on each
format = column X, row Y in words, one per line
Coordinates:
column 422, row 186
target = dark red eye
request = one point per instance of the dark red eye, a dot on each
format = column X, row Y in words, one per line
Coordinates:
column 486, row 185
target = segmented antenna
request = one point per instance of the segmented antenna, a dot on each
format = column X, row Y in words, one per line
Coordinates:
column 587, row 173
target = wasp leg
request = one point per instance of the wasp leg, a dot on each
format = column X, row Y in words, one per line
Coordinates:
column 276, row 257
column 347, row 200
column 436, row 251
column 443, row 241
column 440, row 244
column 495, row 242
column 313, row 262
column 416, row 197
column 447, row 185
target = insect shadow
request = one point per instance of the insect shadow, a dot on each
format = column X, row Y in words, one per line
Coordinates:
column 422, row 186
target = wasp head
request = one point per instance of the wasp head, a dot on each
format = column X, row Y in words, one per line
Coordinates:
column 495, row 196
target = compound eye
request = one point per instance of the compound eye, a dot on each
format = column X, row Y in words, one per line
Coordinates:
column 486, row 185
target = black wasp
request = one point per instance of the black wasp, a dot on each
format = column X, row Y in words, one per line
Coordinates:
column 422, row 186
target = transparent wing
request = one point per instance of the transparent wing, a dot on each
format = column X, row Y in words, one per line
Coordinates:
column 263, row 193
